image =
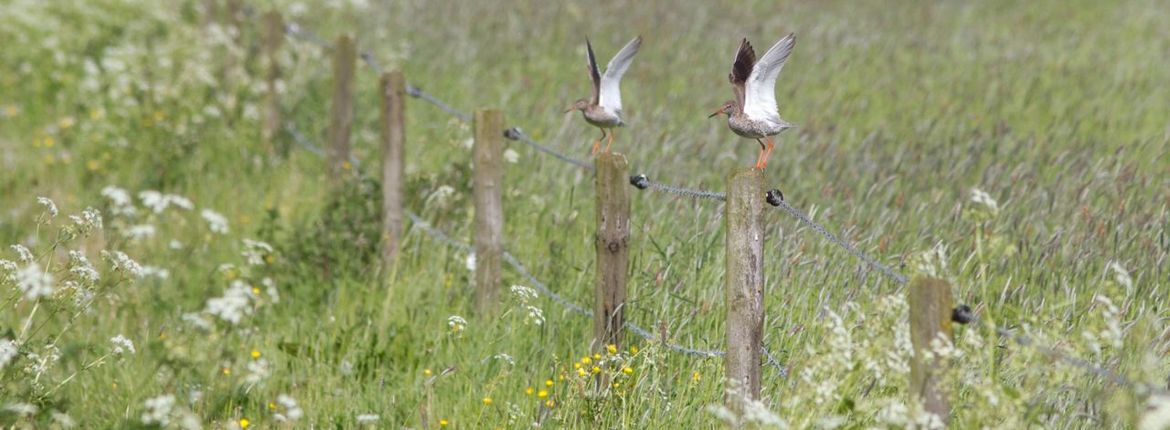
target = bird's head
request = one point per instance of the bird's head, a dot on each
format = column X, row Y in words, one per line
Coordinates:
column 580, row 104
column 727, row 109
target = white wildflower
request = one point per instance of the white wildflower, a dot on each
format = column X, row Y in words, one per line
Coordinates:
column 123, row 263
column 1157, row 415
column 234, row 304
column 120, row 202
column 292, row 412
column 89, row 220
column 159, row 202
column 981, row 197
column 215, row 221
column 33, row 282
column 50, row 207
column 21, row 409
column 122, row 345
column 63, row 420
column 258, row 371
column 175, row 244
column 140, row 232
column 8, row 270
column 158, row 272
column 8, row 351
column 367, row 418
column 535, row 315
column 511, row 156
column 197, row 320
column 80, row 267
column 440, row 195
column 506, row 358
column 270, row 289
column 158, row 410
column 23, row 253
column 255, row 251
column 456, row 323
column 470, row 262
column 524, row 294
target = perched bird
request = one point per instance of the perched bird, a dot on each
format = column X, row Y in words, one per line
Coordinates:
column 753, row 113
column 604, row 110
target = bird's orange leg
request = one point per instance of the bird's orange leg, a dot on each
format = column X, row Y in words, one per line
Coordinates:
column 760, row 158
column 768, row 153
column 597, row 143
column 610, row 141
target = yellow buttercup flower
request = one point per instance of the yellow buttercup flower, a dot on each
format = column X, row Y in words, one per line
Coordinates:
column 596, row 370
column 244, row 423
column 542, row 394
column 443, row 423
column 426, row 372
column 628, row 370
column 548, row 383
column 529, row 391
column 611, row 348
column 487, row 401
column 255, row 353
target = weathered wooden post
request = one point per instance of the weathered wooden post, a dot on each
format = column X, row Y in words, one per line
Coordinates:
column 341, row 120
column 930, row 318
column 393, row 90
column 745, row 283
column 273, row 40
column 613, row 234
column 488, row 177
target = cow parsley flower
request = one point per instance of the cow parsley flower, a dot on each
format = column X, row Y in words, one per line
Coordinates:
column 120, row 202
column 33, row 282
column 981, row 197
column 234, row 304
column 258, row 371
column 158, row 410
column 23, row 253
column 140, row 232
column 122, row 345
column 255, row 251
column 89, row 220
column 215, row 221
column 123, row 263
column 50, row 207
column 8, row 351
column 456, row 323
column 159, row 202
column 292, row 411
column 80, row 267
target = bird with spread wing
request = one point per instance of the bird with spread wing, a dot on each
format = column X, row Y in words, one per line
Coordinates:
column 604, row 109
column 753, row 114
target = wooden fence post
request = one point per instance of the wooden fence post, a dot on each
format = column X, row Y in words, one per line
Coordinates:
column 341, row 120
column 273, row 40
column 745, row 283
column 930, row 317
column 612, row 243
column 488, row 176
column 393, row 91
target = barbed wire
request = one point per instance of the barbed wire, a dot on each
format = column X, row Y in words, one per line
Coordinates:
column 581, row 310
column 515, row 133
column 773, row 197
column 963, row 314
column 304, row 142
column 776, row 198
column 641, row 182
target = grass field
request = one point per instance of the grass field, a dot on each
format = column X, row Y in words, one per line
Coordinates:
column 1020, row 150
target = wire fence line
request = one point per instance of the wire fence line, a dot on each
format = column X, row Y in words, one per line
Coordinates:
column 773, row 197
column 515, row 133
column 575, row 308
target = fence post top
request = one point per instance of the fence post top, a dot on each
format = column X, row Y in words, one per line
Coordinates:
column 612, row 158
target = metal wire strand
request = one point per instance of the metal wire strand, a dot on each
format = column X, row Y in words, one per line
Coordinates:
column 804, row 219
column 641, row 182
column 515, row 133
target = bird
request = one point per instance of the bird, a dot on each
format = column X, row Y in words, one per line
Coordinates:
column 604, row 109
column 753, row 114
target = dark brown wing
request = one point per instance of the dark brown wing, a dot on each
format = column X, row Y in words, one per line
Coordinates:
column 745, row 59
column 593, row 72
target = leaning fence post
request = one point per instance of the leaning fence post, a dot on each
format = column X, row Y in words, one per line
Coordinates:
column 488, row 176
column 344, row 57
column 273, row 39
column 612, row 243
column 393, row 91
column 745, row 283
column 930, row 318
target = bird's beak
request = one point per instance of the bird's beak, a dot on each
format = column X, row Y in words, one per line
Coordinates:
column 570, row 109
column 712, row 115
